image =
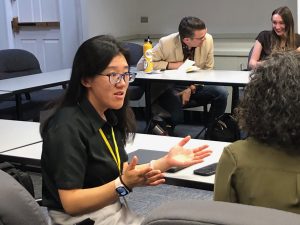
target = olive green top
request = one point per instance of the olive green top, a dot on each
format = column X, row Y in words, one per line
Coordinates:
column 253, row 173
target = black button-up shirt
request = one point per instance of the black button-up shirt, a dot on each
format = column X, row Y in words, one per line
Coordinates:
column 74, row 153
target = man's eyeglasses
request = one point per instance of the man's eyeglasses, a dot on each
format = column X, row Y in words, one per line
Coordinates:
column 115, row 78
column 199, row 39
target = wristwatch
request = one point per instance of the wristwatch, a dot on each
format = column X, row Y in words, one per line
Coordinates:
column 121, row 189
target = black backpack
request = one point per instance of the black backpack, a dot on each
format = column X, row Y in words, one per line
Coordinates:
column 158, row 126
column 224, row 128
column 22, row 177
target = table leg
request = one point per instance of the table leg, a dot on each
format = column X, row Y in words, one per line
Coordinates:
column 148, row 109
column 235, row 98
column 18, row 106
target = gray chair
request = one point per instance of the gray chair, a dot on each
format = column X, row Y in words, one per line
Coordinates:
column 249, row 57
column 135, row 51
column 17, row 206
column 191, row 107
column 16, row 63
column 240, row 91
column 136, row 89
column 197, row 212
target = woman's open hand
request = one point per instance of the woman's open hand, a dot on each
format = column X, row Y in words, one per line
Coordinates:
column 183, row 157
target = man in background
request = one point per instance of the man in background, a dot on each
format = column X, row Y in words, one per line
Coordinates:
column 194, row 43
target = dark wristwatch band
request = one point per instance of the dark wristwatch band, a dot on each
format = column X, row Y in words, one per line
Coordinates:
column 129, row 189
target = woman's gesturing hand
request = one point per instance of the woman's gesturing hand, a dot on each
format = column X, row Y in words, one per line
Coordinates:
column 183, row 157
column 134, row 176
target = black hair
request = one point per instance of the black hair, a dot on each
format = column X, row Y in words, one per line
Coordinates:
column 188, row 25
column 91, row 58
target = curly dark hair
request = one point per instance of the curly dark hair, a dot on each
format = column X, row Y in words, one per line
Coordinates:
column 269, row 110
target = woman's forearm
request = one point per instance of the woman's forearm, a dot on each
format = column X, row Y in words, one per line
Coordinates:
column 81, row 201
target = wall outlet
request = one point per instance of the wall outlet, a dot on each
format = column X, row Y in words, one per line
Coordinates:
column 144, row 19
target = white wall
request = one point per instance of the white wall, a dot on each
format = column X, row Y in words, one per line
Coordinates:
column 298, row 11
column 3, row 36
column 122, row 18
column 115, row 17
column 70, row 24
column 221, row 16
column 5, row 18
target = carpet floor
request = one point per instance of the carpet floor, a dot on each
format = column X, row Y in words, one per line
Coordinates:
column 144, row 199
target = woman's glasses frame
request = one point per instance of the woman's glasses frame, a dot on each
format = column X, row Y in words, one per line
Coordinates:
column 115, row 78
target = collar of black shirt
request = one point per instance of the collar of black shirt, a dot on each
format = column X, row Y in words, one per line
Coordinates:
column 96, row 121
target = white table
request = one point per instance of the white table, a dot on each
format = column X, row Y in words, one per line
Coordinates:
column 18, row 85
column 235, row 79
column 211, row 77
column 16, row 134
column 32, row 154
column 36, row 81
column 183, row 177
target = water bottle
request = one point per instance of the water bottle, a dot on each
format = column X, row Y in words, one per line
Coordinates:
column 148, row 64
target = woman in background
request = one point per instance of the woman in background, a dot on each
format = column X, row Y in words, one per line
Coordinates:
column 84, row 163
column 264, row 169
column 282, row 37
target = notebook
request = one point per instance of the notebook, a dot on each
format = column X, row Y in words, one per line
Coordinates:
column 145, row 155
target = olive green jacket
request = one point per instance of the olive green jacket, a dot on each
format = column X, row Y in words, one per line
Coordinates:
column 253, row 173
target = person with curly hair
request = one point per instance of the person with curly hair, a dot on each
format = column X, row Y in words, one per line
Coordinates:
column 264, row 169
column 282, row 37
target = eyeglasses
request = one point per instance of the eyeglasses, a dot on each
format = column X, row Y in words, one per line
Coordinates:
column 202, row 33
column 199, row 39
column 115, row 78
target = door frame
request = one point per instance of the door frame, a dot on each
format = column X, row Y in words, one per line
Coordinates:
column 70, row 14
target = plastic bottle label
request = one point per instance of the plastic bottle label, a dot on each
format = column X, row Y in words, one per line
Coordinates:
column 148, row 65
column 148, row 54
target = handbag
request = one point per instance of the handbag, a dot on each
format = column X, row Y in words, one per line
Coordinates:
column 158, row 126
column 224, row 128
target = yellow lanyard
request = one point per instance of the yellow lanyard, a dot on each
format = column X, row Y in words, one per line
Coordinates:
column 116, row 156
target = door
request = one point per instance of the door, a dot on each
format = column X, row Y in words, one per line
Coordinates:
column 38, row 30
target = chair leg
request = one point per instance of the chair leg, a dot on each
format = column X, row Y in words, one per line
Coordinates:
column 205, row 112
column 18, row 106
column 201, row 131
column 205, row 115
column 27, row 95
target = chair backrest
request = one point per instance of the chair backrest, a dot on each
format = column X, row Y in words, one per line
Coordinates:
column 136, row 89
column 197, row 212
column 17, row 206
column 17, row 62
column 249, row 57
column 135, row 51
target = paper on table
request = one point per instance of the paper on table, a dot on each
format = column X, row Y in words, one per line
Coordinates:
column 187, row 66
